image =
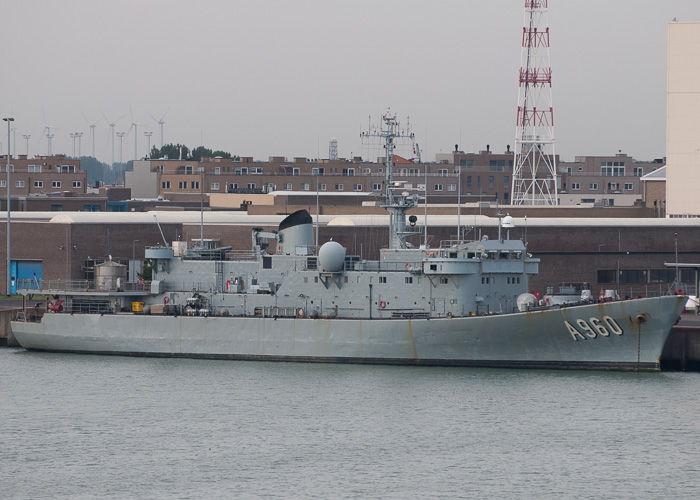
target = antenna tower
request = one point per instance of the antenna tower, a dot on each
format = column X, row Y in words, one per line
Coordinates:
column 333, row 149
column 534, row 167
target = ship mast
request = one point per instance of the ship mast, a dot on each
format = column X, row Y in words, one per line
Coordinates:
column 397, row 204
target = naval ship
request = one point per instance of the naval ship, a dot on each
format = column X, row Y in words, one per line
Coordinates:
column 462, row 303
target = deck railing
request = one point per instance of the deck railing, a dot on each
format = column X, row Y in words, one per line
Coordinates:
column 61, row 285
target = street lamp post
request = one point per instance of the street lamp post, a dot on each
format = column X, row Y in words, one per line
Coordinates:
column 9, row 285
column 133, row 259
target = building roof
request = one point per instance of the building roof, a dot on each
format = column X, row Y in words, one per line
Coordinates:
column 243, row 219
column 657, row 175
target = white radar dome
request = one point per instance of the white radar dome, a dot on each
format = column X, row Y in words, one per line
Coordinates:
column 332, row 256
column 508, row 222
column 526, row 301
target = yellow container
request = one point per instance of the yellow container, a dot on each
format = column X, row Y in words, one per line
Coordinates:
column 137, row 307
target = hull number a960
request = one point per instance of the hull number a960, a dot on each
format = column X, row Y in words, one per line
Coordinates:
column 593, row 327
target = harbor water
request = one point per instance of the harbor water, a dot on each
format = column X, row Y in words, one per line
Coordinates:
column 77, row 426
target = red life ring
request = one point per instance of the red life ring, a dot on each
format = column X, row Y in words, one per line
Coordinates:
column 140, row 282
column 166, row 300
column 408, row 267
column 382, row 304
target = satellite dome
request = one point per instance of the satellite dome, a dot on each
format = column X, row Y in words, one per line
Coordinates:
column 332, row 256
column 508, row 222
column 526, row 301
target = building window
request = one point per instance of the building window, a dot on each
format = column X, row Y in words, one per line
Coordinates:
column 438, row 187
column 56, row 207
column 305, row 186
column 613, row 186
column 54, row 184
column 188, row 169
column 251, row 185
column 466, row 163
column 638, row 171
column 442, row 172
column 321, row 187
column 408, row 280
column 348, row 172
column 77, row 184
column 38, row 184
column 165, row 185
column 491, row 182
column 612, row 168
column 452, row 187
column 182, row 184
column 469, row 181
column 506, row 182
column 444, row 280
column 338, row 187
column 296, row 171
column 194, row 185
column 288, row 186
column 214, row 186
column 357, row 187
column 629, row 186
column 382, row 279
column 217, row 170
column 318, row 171
column 3, row 184
column 575, row 186
column 593, row 186
column 200, row 170
column 34, row 169
column 376, row 186
column 67, row 169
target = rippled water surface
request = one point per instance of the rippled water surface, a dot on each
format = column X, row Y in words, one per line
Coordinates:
column 89, row 426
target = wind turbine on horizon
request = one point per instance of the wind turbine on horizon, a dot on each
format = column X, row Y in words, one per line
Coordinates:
column 111, row 133
column 161, row 123
column 92, row 132
column 134, row 126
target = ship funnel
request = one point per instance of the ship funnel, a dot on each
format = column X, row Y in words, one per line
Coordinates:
column 295, row 235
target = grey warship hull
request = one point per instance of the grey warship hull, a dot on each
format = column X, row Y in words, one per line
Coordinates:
column 627, row 335
column 459, row 303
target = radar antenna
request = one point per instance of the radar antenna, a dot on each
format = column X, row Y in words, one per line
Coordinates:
column 396, row 204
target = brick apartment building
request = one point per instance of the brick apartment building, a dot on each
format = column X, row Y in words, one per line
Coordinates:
column 484, row 176
column 41, row 178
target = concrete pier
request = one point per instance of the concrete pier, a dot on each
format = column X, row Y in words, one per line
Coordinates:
column 7, row 314
column 682, row 349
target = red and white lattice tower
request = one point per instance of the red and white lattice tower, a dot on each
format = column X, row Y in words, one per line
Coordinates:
column 534, row 167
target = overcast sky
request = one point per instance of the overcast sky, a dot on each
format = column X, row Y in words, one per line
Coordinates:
column 280, row 78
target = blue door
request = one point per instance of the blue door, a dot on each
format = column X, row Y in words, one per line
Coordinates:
column 26, row 274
